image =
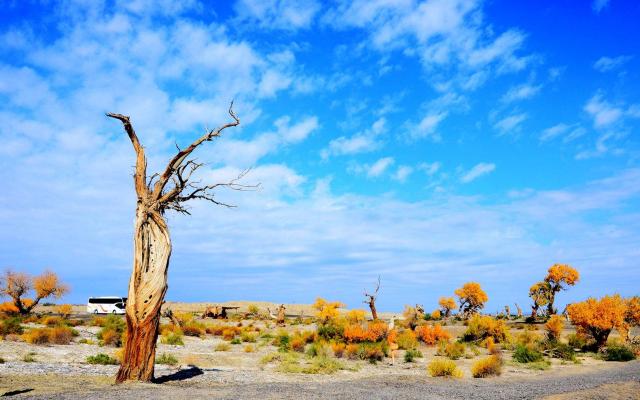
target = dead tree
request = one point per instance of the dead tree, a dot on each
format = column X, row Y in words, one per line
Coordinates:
column 218, row 312
column 507, row 311
column 280, row 318
column 371, row 301
column 156, row 194
column 169, row 314
column 519, row 310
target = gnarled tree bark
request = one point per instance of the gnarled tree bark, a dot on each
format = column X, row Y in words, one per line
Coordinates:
column 152, row 244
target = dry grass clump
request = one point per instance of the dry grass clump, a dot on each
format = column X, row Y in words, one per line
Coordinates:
column 215, row 329
column 431, row 335
column 488, row 366
column 112, row 332
column 224, row 346
column 102, row 359
column 443, row 367
column 64, row 310
column 172, row 338
column 249, row 348
column 229, row 333
column 372, row 352
column 56, row 335
column 51, row 321
column 166, row 359
column 10, row 326
column 338, row 349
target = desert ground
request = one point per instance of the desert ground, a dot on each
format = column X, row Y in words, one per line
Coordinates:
column 210, row 366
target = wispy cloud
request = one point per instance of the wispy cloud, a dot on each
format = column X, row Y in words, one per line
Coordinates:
column 510, row 124
column 520, row 92
column 365, row 141
column 477, row 171
column 606, row 64
column 598, row 5
column 276, row 14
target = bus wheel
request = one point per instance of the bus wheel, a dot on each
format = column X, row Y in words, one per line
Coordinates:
column 95, row 311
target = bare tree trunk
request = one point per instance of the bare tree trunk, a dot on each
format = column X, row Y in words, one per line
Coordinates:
column 147, row 287
column 374, row 312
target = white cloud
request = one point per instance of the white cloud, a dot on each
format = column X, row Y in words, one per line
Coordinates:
column 448, row 34
column 361, row 142
column 606, row 64
column 603, row 113
column 298, row 132
column 598, row 5
column 477, row 171
column 510, row 124
column 520, row 92
column 553, row 132
column 402, row 173
column 379, row 167
column 276, row 14
column 430, row 168
column 427, row 127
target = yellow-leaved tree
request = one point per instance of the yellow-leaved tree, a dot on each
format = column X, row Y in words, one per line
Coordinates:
column 326, row 311
column 539, row 293
column 598, row 317
column 558, row 277
column 446, row 305
column 471, row 298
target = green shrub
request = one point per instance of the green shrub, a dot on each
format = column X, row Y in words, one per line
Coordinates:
column 618, row 352
column 562, row 351
column 173, row 338
column 524, row 354
column 112, row 331
column 167, row 359
column 412, row 354
column 407, row 340
column 282, row 341
column 248, row 337
column 235, row 341
column 29, row 357
column 318, row 349
column 102, row 359
column 10, row 326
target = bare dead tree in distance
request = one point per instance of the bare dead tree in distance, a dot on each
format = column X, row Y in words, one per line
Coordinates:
column 371, row 300
column 168, row 190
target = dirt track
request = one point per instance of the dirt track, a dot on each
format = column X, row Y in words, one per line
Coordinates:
column 193, row 383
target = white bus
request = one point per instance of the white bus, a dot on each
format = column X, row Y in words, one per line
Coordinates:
column 106, row 305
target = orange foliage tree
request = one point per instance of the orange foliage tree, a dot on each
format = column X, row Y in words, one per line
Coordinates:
column 631, row 316
column 471, row 298
column 558, row 277
column 17, row 285
column 446, row 305
column 597, row 318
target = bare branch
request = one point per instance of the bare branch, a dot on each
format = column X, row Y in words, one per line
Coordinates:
column 177, row 160
column 140, row 176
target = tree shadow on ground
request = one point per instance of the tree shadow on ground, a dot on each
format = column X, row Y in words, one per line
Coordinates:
column 16, row 392
column 190, row 372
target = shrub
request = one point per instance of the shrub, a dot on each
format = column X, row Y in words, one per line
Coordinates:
column 338, row 349
column 373, row 352
column 215, row 330
column 222, row 347
column 326, row 311
column 406, row 340
column 355, row 316
column 577, row 341
column 8, row 308
column 37, row 336
column 193, row 328
column 248, row 337
column 235, row 341
column 554, row 328
column 249, row 349
column 174, row 339
column 431, row 335
column 282, row 341
column 481, row 327
column 618, row 352
column 488, row 366
column 112, row 331
column 29, row 357
column 98, row 321
column 442, row 367
column 374, row 331
column 51, row 321
column 528, row 337
column 562, row 351
column 102, row 359
column 10, row 326
column 64, row 310
column 525, row 354
column 60, row 335
column 332, row 330
column 253, row 309
column 453, row 350
column 318, row 349
column 167, row 359
column 412, row 354
column 435, row 314
column 298, row 344
column 230, row 332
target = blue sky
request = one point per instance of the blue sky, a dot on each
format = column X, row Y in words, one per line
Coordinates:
column 429, row 142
